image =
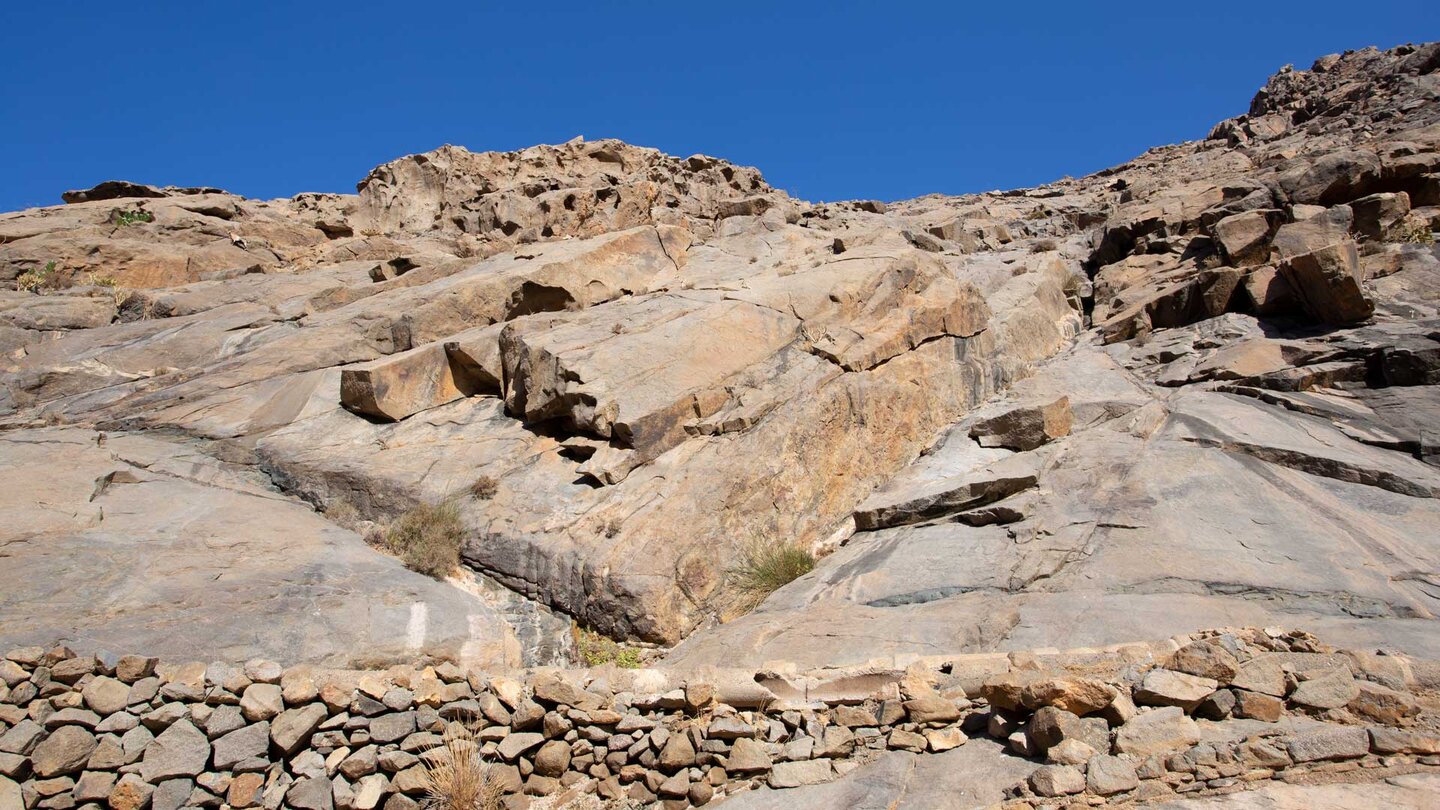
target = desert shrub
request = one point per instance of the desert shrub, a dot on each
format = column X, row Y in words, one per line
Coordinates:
column 611, row 527
column 126, row 218
column 484, row 488
column 428, row 538
column 456, row 778
column 597, row 650
column 1415, row 231
column 33, row 280
column 1044, row 245
column 765, row 566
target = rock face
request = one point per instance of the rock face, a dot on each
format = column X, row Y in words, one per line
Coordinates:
column 1197, row 389
column 1240, row 417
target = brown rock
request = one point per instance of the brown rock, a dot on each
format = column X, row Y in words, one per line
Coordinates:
column 64, row 752
column 105, row 695
column 1163, row 687
column 1326, row 283
column 1025, row 427
column 131, row 793
column 1383, row 705
column 1205, row 658
column 245, row 790
column 1256, row 706
column 553, row 758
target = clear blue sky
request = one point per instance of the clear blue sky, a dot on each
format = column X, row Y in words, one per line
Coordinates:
column 831, row 100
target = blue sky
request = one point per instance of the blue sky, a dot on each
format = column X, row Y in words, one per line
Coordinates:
column 834, row 100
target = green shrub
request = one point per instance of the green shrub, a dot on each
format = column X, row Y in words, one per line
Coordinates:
column 598, row 650
column 428, row 538
column 125, row 218
column 764, row 567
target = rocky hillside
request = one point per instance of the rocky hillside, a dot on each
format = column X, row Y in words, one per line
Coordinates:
column 1199, row 389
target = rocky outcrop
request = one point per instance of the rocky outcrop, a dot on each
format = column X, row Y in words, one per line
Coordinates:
column 1197, row 389
column 576, row 189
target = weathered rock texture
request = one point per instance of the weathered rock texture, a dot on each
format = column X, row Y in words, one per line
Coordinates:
column 1197, row 389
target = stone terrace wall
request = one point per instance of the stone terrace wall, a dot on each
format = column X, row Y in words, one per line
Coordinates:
column 1114, row 724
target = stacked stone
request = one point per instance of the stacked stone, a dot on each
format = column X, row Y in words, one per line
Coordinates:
column 1143, row 738
column 131, row 733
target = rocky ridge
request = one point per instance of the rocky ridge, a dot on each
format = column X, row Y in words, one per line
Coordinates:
column 1194, row 390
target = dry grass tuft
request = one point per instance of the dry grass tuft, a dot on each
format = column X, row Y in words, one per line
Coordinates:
column 456, row 778
column 484, row 488
column 428, row 538
column 766, row 566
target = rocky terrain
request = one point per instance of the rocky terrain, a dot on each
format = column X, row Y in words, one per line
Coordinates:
column 1195, row 390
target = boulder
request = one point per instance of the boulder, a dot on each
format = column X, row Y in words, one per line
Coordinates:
column 1057, row 780
column 403, row 384
column 180, row 751
column 747, row 756
column 1335, row 177
column 1328, row 743
column 1208, row 658
column 798, row 774
column 1325, row 689
column 1025, row 427
column 1050, row 726
column 242, row 744
column 1158, row 731
column 1382, row 704
column 1326, row 284
column 105, row 695
column 1107, row 775
column 261, row 701
column 291, row 729
column 1244, row 238
column 64, row 752
column 553, row 758
column 1378, row 215
column 518, row 743
column 1164, row 687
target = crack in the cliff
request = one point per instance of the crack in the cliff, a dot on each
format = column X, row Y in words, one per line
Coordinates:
column 1331, row 468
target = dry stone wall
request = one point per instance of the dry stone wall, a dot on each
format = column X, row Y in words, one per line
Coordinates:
column 1129, row 723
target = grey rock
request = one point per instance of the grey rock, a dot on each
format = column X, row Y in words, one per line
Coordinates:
column 179, row 751
column 242, row 744
column 1107, row 775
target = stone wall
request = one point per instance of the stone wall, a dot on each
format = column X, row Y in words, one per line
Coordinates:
column 1206, row 713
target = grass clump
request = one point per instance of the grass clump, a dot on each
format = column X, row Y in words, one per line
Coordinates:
column 1416, row 232
column 456, row 777
column 33, row 280
column 597, row 650
column 764, row 567
column 127, row 218
column 428, row 538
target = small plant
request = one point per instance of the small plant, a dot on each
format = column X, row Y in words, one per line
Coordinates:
column 456, row 778
column 127, row 218
column 33, row 280
column 1416, row 232
column 597, row 650
column 428, row 538
column 1044, row 245
column 484, row 488
column 764, row 567
column 119, row 294
column 611, row 527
